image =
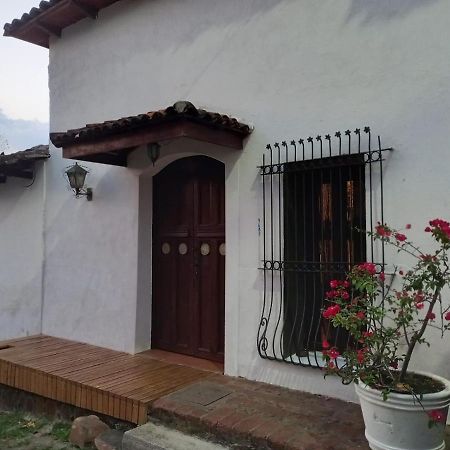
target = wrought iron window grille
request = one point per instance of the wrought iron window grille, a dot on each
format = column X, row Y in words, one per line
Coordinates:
column 318, row 196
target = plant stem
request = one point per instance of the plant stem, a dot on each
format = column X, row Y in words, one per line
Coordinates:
column 408, row 342
column 418, row 335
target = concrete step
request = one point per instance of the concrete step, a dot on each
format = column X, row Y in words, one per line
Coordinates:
column 153, row 436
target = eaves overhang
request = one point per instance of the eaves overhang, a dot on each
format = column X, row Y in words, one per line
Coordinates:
column 22, row 164
column 111, row 142
column 51, row 17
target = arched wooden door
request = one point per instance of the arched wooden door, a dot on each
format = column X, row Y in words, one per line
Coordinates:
column 189, row 258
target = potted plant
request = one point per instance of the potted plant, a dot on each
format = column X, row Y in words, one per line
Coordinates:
column 402, row 409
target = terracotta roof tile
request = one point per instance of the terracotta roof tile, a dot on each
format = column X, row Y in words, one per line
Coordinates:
column 22, row 164
column 31, row 154
column 180, row 110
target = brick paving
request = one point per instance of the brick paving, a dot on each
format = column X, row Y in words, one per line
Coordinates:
column 255, row 415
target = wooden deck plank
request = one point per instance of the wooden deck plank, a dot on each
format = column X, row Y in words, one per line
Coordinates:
column 112, row 371
column 97, row 379
column 62, row 366
column 83, row 364
column 125, row 376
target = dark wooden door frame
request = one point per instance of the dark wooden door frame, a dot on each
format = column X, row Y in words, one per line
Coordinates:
column 188, row 289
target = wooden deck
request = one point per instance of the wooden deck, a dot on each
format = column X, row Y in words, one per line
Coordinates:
column 105, row 381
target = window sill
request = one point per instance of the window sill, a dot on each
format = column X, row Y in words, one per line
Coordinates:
column 314, row 359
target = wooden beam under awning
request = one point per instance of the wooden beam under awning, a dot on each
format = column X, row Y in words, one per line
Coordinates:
column 114, row 149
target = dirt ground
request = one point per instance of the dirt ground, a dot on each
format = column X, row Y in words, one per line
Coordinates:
column 23, row 431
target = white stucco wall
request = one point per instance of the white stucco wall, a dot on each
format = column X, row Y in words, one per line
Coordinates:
column 291, row 68
column 21, row 255
column 91, row 256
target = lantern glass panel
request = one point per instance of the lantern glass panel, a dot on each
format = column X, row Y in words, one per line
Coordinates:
column 76, row 176
column 80, row 176
column 71, row 177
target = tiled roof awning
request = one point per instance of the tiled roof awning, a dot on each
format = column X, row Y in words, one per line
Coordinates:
column 51, row 17
column 22, row 164
column 110, row 142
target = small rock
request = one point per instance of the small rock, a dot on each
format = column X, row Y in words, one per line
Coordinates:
column 109, row 440
column 85, row 429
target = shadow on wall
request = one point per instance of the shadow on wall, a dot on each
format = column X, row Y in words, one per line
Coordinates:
column 209, row 16
column 375, row 10
column 20, row 257
column 20, row 313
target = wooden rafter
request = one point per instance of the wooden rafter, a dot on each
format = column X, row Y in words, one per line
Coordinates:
column 88, row 10
column 51, row 31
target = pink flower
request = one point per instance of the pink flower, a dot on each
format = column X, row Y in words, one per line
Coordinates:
column 419, row 297
column 360, row 356
column 400, row 272
column 427, row 230
column 394, row 364
column 382, row 276
column 368, row 267
column 333, row 353
column 400, row 237
column 346, row 284
column 442, row 225
column 331, row 311
column 383, row 230
column 439, row 223
column 408, row 226
column 334, row 284
column 345, row 295
column 430, row 315
column 419, row 305
column 331, row 365
column 360, row 315
column 447, row 316
column 367, row 334
column 325, row 344
column 437, row 416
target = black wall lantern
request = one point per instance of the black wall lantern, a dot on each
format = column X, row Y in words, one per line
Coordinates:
column 153, row 151
column 76, row 175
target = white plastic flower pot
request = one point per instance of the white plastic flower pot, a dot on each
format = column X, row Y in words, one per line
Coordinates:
column 400, row 422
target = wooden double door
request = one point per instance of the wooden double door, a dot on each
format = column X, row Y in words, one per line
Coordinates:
column 189, row 258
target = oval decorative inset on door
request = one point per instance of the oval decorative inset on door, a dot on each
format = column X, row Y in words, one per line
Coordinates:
column 165, row 248
column 182, row 248
column 222, row 249
column 205, row 249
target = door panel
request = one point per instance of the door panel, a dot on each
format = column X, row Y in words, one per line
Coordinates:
column 211, row 285
column 188, row 260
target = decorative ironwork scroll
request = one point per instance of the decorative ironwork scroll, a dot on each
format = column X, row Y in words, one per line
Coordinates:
column 319, row 195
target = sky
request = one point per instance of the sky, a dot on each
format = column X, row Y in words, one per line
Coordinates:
column 24, row 102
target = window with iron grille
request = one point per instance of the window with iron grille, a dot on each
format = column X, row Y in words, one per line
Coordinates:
column 317, row 202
